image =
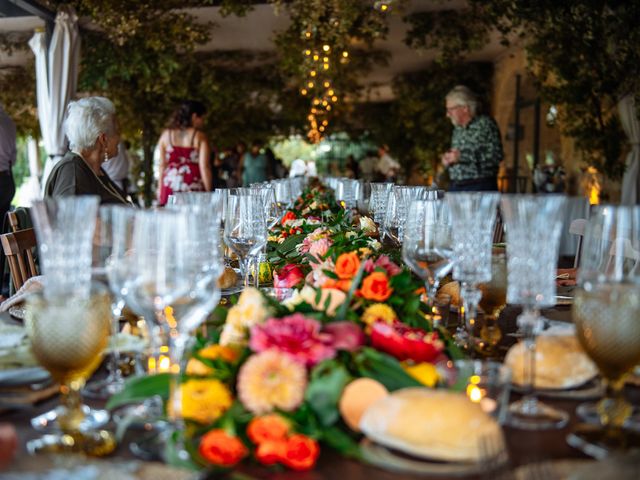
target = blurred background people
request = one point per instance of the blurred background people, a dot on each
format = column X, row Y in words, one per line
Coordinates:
column 253, row 165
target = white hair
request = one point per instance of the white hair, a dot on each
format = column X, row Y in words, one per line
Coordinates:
column 87, row 118
column 463, row 96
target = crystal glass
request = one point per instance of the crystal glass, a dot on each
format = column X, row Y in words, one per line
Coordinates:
column 64, row 228
column 245, row 230
column 282, row 190
column 492, row 302
column 378, row 200
column 397, row 209
column 606, row 312
column 113, row 242
column 68, row 336
column 473, row 215
column 426, row 248
column 533, row 226
column 348, row 192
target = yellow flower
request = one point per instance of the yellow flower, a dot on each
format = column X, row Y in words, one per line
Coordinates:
column 204, row 401
column 378, row 311
column 249, row 311
column 197, row 368
column 213, row 352
column 425, row 373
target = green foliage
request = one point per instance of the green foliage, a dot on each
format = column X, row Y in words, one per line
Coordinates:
column 383, row 368
column 138, row 389
column 18, row 98
column 328, row 379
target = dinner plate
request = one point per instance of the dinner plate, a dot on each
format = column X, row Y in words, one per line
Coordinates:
column 225, row 292
column 388, row 459
column 15, row 377
column 593, row 388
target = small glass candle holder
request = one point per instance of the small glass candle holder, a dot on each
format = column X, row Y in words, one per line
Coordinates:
column 486, row 383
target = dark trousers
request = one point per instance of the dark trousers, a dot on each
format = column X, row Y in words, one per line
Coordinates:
column 477, row 185
column 7, row 191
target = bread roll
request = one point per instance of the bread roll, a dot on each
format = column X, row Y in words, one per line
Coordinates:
column 560, row 363
column 453, row 290
column 228, row 278
column 431, row 424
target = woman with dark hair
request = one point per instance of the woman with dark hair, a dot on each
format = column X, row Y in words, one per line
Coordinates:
column 184, row 153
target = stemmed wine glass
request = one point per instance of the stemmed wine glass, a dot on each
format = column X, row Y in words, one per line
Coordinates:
column 533, row 224
column 114, row 233
column 378, row 200
column 473, row 216
column 245, row 230
column 606, row 312
column 427, row 243
column 397, row 210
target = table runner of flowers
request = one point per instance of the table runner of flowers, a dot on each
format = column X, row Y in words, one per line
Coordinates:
column 267, row 382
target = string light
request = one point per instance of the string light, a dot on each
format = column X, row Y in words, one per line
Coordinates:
column 327, row 85
column 345, row 54
column 307, row 34
column 310, row 84
column 326, row 48
column 312, row 73
column 307, row 52
column 331, row 92
column 334, row 99
column 303, row 91
column 316, row 57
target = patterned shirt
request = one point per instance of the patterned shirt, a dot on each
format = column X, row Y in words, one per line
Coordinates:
column 480, row 150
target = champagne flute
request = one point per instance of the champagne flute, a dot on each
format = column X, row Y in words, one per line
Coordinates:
column 68, row 336
column 427, row 243
column 606, row 312
column 245, row 230
column 533, row 225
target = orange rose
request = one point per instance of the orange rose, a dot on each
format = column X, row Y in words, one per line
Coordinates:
column 347, row 265
column 220, row 448
column 376, row 287
column 343, row 285
column 268, row 428
column 271, row 452
column 301, row 452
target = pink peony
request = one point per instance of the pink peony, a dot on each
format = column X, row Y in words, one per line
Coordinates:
column 295, row 335
column 346, row 335
column 319, row 248
column 384, row 262
column 289, row 276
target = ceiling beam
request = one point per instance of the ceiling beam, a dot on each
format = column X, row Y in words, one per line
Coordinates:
column 26, row 8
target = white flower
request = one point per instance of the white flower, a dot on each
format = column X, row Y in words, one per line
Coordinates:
column 350, row 234
column 367, row 225
column 374, row 244
column 232, row 335
column 334, row 296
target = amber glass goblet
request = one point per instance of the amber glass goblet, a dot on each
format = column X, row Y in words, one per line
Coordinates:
column 68, row 337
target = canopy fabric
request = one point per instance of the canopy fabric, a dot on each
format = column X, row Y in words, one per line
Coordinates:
column 631, row 126
column 56, row 82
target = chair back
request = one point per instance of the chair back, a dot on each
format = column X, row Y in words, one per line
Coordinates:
column 498, row 229
column 577, row 228
column 18, row 247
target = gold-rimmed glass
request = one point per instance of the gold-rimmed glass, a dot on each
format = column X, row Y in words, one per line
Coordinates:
column 492, row 302
column 68, row 337
column 606, row 312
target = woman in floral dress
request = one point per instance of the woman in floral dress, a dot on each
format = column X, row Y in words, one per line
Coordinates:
column 184, row 153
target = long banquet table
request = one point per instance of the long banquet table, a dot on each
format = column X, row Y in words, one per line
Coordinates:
column 524, row 446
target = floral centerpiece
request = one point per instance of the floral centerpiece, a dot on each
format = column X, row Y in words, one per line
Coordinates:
column 269, row 384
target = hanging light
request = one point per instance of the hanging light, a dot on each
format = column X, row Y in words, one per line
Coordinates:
column 331, row 92
column 316, row 57
column 307, row 34
column 326, row 48
column 334, row 99
column 345, row 54
column 307, row 52
column 303, row 91
column 310, row 84
column 312, row 73
column 327, row 84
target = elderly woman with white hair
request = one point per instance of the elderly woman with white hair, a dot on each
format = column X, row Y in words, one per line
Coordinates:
column 476, row 147
column 92, row 130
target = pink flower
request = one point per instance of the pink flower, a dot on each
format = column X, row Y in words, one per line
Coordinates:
column 384, row 262
column 346, row 335
column 289, row 276
column 320, row 247
column 317, row 234
column 295, row 335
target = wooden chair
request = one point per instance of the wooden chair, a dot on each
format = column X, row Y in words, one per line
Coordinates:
column 13, row 221
column 18, row 248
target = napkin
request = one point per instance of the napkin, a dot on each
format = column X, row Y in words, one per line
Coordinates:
column 32, row 285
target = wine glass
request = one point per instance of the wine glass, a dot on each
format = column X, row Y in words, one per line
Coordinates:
column 113, row 239
column 245, row 230
column 427, row 243
column 68, row 336
column 378, row 200
column 606, row 312
column 473, row 215
column 533, row 224
column 396, row 214
column 492, row 302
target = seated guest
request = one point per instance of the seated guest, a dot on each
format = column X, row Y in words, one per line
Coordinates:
column 93, row 134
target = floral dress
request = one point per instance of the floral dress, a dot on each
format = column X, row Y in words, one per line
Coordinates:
column 181, row 172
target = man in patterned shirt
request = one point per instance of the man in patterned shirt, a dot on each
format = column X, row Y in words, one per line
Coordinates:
column 476, row 147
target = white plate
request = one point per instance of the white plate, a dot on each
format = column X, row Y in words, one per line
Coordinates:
column 387, row 459
column 225, row 292
column 593, row 388
column 23, row 376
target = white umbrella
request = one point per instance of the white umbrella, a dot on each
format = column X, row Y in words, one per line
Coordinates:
column 56, row 82
column 631, row 126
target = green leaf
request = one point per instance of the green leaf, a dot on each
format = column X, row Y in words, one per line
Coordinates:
column 341, row 442
column 383, row 368
column 328, row 379
column 138, row 389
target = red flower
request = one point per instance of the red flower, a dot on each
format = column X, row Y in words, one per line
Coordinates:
column 346, row 335
column 271, row 452
column 288, row 216
column 406, row 343
column 220, row 448
column 268, row 428
column 289, row 276
column 301, row 452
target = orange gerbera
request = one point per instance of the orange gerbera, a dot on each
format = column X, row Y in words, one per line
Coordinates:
column 268, row 428
column 347, row 265
column 376, row 287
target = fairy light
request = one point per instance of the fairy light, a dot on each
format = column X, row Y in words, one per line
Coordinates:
column 326, row 48
column 325, row 103
column 326, row 66
column 331, row 93
column 345, row 54
column 327, row 85
column 313, row 73
column 307, row 34
column 334, row 99
column 307, row 52
column 303, row 91
column 316, row 57
column 310, row 84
